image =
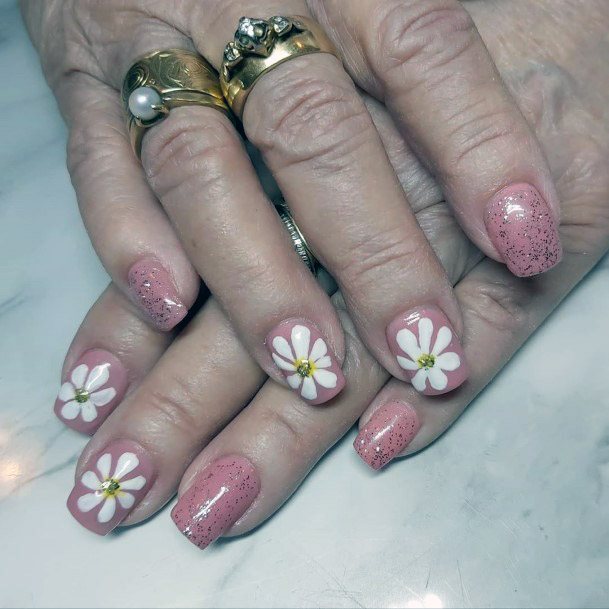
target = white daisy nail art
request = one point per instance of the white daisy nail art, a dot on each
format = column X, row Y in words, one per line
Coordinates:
column 86, row 392
column 305, row 366
column 428, row 364
column 110, row 485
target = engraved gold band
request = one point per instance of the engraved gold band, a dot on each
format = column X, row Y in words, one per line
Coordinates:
column 260, row 45
column 166, row 79
column 298, row 240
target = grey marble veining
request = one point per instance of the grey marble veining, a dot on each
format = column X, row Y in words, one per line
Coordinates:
column 510, row 508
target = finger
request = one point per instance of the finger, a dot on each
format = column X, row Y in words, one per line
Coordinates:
column 500, row 313
column 319, row 141
column 144, row 258
column 426, row 60
column 111, row 353
column 133, row 464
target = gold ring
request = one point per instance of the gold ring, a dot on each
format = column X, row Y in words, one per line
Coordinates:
column 162, row 80
column 262, row 44
column 298, row 240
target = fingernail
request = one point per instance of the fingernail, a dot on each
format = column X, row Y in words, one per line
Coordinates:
column 93, row 389
column 112, row 485
column 218, row 497
column 428, row 350
column 153, row 289
column 388, row 432
column 301, row 353
column 522, row 228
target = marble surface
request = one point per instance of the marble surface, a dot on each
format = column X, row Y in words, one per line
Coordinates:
column 510, row 508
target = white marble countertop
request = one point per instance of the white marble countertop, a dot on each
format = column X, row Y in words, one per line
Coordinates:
column 510, row 508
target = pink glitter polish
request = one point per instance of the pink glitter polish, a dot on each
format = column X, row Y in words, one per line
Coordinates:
column 428, row 350
column 523, row 229
column 389, row 431
column 113, row 482
column 218, row 497
column 153, row 289
column 301, row 353
column 94, row 387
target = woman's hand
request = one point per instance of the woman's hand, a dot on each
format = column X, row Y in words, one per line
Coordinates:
column 254, row 457
column 423, row 58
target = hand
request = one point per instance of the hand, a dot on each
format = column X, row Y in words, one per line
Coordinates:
column 206, row 377
column 423, row 58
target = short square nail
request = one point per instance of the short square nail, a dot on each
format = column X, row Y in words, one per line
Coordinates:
column 93, row 389
column 111, row 486
column 302, row 354
column 218, row 497
column 389, row 431
column 428, row 350
column 523, row 229
column 153, row 289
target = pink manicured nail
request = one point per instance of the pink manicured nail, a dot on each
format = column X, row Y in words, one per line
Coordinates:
column 428, row 350
column 218, row 497
column 154, row 290
column 302, row 355
column 113, row 483
column 93, row 389
column 522, row 228
column 388, row 432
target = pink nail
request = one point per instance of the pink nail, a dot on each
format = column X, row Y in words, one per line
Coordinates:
column 113, row 483
column 153, row 289
column 94, row 388
column 301, row 353
column 218, row 497
column 388, row 432
column 428, row 350
column 522, row 228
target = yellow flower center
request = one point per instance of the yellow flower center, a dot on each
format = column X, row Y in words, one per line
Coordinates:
column 304, row 367
column 426, row 360
column 110, row 487
column 82, row 395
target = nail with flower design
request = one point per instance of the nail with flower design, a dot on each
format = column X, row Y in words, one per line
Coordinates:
column 94, row 387
column 301, row 353
column 111, row 486
column 428, row 350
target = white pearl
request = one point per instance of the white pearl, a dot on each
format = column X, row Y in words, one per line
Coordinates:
column 141, row 101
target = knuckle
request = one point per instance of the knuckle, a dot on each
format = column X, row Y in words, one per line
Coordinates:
column 312, row 118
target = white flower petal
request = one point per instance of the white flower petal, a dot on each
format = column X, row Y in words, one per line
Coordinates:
column 442, row 340
column 325, row 378
column 309, row 390
column 70, row 410
column 133, row 484
column 301, row 337
column 87, row 502
column 90, row 480
column 282, row 364
column 66, row 392
column 79, row 376
column 127, row 462
column 407, row 364
column 425, row 332
column 103, row 465
column 88, row 411
column 319, row 350
column 437, row 378
column 126, row 500
column 107, row 511
column 98, row 377
column 323, row 362
column 294, row 381
column 101, row 398
column 282, row 347
column 408, row 344
column 418, row 380
column 448, row 361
